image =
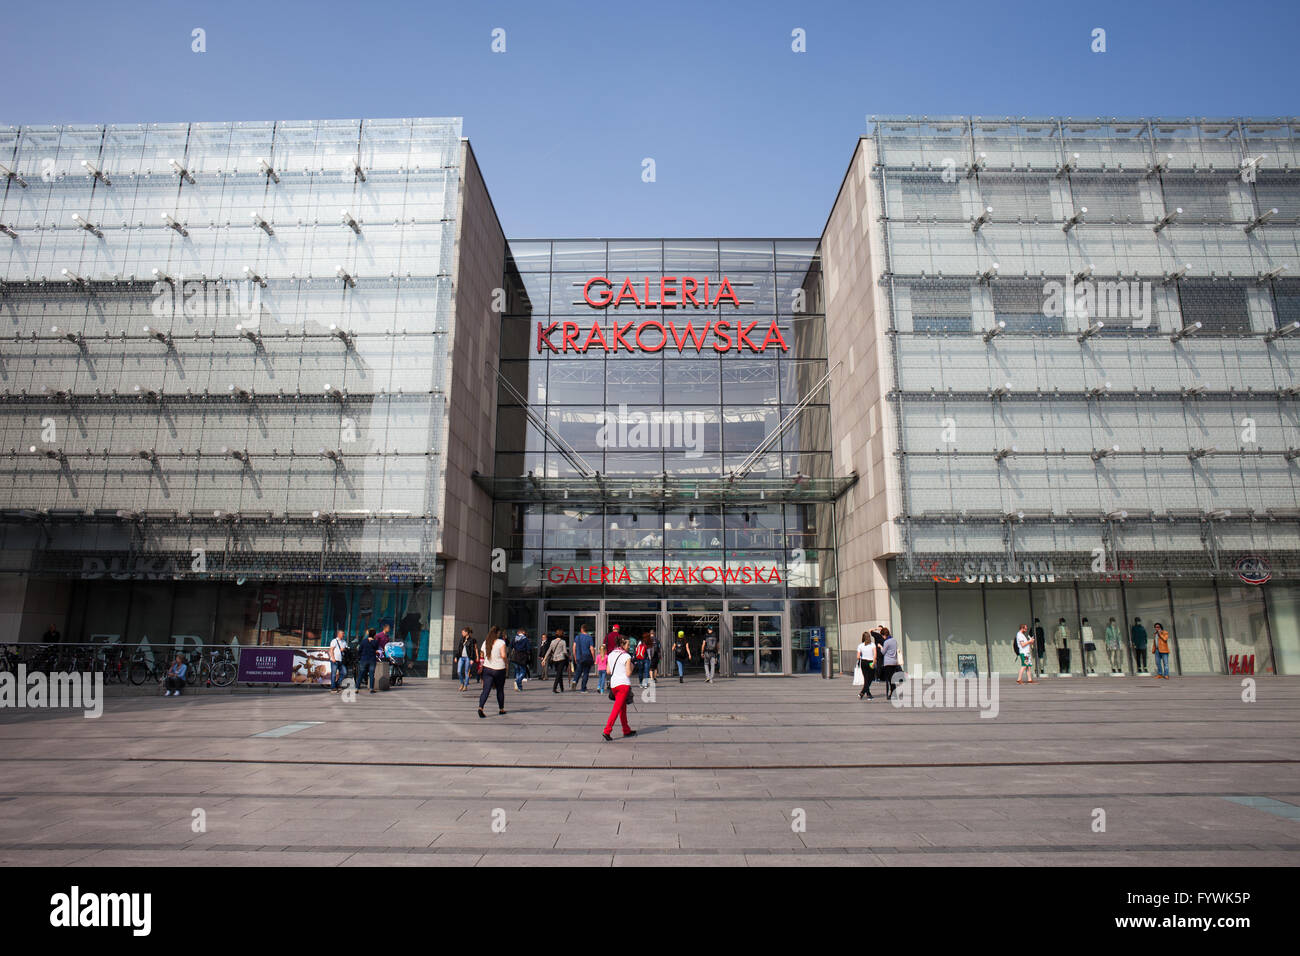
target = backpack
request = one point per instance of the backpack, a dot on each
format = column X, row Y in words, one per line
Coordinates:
column 640, row 651
column 520, row 654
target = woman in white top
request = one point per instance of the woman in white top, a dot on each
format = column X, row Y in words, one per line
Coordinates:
column 494, row 670
column 620, row 687
column 867, row 664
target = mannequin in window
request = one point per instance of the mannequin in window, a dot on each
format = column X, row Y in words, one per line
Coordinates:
column 1113, row 651
column 1089, row 648
column 1062, row 641
column 1040, row 640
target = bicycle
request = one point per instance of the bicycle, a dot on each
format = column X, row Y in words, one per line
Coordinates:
column 143, row 669
column 112, row 661
column 218, row 669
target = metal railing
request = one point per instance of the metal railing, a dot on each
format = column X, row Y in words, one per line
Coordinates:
column 137, row 664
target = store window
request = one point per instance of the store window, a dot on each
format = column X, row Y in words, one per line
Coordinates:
column 1284, row 622
column 1150, row 604
column 1057, row 613
column 1196, row 630
column 238, row 611
column 1103, row 607
column 1008, row 608
column 1245, row 630
column 919, row 630
column 961, row 628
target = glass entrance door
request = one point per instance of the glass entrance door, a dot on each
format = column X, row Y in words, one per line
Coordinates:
column 757, row 644
column 570, row 623
column 695, row 627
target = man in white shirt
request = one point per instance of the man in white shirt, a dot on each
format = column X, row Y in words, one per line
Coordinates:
column 337, row 670
column 1024, row 645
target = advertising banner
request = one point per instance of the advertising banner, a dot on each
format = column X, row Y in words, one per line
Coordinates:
column 284, row 665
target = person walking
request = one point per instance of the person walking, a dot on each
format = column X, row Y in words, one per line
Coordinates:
column 1162, row 651
column 1112, row 646
column 709, row 651
column 367, row 659
column 557, row 654
column 583, row 646
column 521, row 655
column 494, row 670
column 620, row 688
column 611, row 640
column 467, row 656
column 681, row 654
column 640, row 654
column 1024, row 650
column 867, row 664
column 602, row 676
column 891, row 663
column 654, row 655
column 1138, row 637
column 541, row 654
column 175, row 677
column 338, row 647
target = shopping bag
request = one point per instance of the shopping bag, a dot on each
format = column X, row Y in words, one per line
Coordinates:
column 857, row 676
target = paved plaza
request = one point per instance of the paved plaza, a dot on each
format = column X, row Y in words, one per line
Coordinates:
column 755, row 772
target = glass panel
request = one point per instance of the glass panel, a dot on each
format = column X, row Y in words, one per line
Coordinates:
column 743, row 644
column 150, row 621
column 237, row 614
column 1284, row 621
column 1055, row 609
column 1104, row 609
column 771, row 656
column 1195, row 631
column 961, row 624
column 919, row 630
column 1245, row 630
column 1147, row 606
column 1008, row 608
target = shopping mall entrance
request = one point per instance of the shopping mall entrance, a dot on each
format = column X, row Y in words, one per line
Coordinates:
column 754, row 637
column 758, row 644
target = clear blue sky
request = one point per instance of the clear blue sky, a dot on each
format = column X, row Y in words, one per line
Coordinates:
column 748, row 137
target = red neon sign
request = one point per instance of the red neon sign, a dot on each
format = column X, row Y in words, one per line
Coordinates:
column 666, row 574
column 652, row 335
column 668, row 293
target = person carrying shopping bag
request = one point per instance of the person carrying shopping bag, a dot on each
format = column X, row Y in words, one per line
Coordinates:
column 620, row 688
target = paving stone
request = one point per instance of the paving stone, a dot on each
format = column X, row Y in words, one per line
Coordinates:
column 412, row 777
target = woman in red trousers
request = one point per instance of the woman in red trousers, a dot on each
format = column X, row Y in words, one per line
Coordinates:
column 620, row 685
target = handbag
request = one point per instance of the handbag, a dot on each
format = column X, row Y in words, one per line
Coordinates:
column 858, row 679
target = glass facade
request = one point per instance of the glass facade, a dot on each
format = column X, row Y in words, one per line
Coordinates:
column 1213, row 628
column 656, row 390
column 226, row 361
column 1093, row 378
